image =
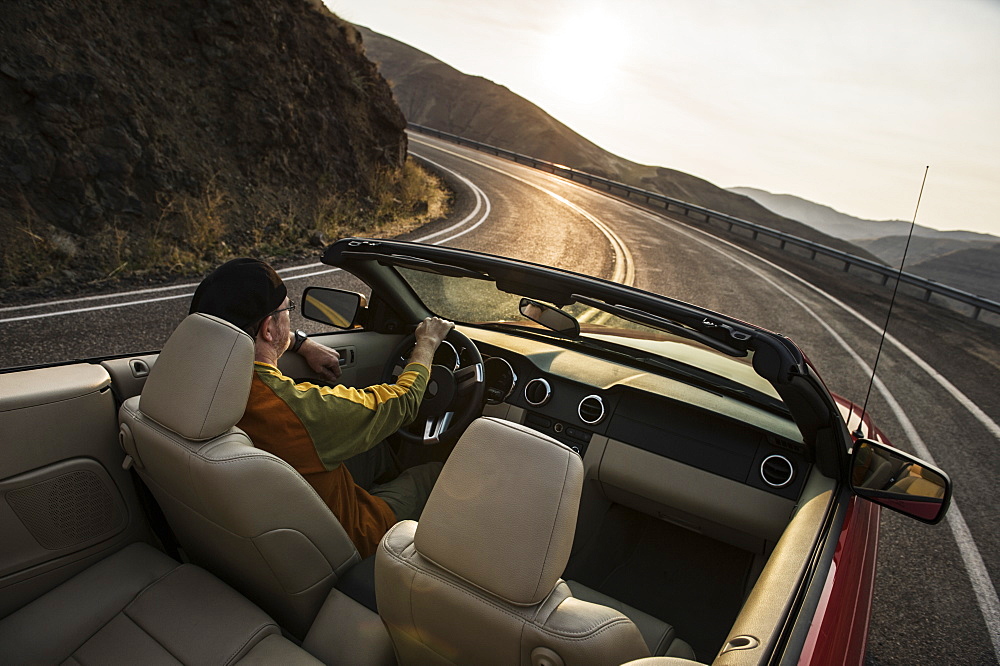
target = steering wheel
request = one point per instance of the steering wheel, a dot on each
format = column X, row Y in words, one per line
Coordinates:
column 454, row 395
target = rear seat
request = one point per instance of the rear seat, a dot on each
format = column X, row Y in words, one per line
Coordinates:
column 140, row 606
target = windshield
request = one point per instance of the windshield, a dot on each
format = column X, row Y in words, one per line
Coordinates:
column 476, row 301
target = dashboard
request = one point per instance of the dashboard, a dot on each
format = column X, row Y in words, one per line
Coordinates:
column 653, row 430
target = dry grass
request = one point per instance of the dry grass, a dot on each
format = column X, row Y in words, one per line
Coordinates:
column 194, row 233
column 400, row 201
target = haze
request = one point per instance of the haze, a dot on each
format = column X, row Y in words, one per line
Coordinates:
column 842, row 103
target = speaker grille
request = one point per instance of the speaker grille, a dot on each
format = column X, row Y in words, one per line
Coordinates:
column 66, row 510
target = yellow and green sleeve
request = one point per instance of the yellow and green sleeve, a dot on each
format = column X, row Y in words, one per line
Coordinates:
column 339, row 421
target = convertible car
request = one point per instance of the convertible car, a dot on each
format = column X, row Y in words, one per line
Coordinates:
column 627, row 478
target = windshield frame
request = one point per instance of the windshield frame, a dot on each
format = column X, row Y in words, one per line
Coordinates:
column 775, row 358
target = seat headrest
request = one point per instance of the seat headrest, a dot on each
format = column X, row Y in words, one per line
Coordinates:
column 200, row 383
column 502, row 514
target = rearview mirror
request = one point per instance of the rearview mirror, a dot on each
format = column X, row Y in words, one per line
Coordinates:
column 900, row 482
column 335, row 307
column 549, row 317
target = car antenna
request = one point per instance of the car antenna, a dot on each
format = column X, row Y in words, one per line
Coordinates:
column 858, row 433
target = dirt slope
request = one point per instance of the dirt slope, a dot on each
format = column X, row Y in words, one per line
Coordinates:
column 142, row 135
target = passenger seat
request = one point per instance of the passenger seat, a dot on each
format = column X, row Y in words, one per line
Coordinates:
column 140, row 606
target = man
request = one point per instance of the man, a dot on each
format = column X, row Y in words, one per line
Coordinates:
column 317, row 428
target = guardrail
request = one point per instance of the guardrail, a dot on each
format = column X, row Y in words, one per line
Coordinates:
column 929, row 287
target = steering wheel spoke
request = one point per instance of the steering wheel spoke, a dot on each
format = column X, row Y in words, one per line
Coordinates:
column 434, row 426
column 468, row 377
column 454, row 395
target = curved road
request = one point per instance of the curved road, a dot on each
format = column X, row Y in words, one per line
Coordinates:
column 935, row 592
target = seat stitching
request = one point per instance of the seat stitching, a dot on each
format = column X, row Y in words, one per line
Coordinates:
column 121, row 612
column 182, row 441
column 217, row 386
column 252, row 538
column 568, row 635
column 427, row 572
column 548, row 547
column 257, row 631
column 529, row 432
column 137, row 623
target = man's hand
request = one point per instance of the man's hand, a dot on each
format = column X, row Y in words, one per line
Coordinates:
column 324, row 361
column 429, row 334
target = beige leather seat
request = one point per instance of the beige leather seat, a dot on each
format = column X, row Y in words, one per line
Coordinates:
column 240, row 512
column 140, row 607
column 477, row 581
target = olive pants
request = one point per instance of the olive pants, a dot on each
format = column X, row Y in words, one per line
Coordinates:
column 407, row 493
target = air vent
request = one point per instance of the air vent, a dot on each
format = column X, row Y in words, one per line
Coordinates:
column 537, row 392
column 591, row 409
column 777, row 471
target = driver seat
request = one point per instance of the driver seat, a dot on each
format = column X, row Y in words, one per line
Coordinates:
column 238, row 511
column 477, row 580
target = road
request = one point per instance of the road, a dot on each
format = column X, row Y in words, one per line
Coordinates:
column 936, row 394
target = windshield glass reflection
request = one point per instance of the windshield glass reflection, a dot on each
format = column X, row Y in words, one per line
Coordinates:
column 470, row 301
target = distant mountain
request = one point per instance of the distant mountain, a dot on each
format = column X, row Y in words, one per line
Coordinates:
column 890, row 248
column 962, row 259
column 436, row 95
column 845, row 226
column 976, row 270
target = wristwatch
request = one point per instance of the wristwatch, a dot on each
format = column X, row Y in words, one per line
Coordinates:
column 300, row 337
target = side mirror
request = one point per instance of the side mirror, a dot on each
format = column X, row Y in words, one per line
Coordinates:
column 549, row 317
column 335, row 307
column 898, row 481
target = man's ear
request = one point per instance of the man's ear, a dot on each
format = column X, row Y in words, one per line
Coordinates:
column 265, row 332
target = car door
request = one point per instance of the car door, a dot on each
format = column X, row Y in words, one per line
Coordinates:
column 363, row 355
column 65, row 499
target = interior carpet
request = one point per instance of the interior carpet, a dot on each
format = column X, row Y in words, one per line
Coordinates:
column 685, row 579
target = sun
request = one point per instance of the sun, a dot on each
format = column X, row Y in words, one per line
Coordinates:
column 584, row 55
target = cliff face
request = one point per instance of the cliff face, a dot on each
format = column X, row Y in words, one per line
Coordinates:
column 136, row 133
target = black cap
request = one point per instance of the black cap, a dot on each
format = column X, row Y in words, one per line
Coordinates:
column 241, row 291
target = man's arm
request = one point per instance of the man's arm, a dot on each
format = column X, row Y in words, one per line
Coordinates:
column 324, row 361
column 344, row 421
column 430, row 332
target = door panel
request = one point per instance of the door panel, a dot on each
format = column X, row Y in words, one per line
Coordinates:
column 128, row 375
column 65, row 500
column 364, row 354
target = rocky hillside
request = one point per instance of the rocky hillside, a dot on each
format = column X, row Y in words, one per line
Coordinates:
column 437, row 95
column 142, row 136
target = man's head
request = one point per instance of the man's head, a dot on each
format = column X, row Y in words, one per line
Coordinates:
column 244, row 292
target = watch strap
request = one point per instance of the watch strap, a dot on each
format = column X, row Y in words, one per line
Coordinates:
column 300, row 337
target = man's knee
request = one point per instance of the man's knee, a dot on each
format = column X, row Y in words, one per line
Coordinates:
column 407, row 494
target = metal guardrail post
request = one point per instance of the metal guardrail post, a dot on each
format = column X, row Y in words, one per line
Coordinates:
column 930, row 287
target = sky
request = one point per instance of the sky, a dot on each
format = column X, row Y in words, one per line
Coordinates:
column 840, row 102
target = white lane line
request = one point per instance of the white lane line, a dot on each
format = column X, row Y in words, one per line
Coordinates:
column 136, row 292
column 624, row 272
column 982, row 585
column 482, row 201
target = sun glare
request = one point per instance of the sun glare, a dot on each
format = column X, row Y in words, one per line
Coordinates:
column 584, row 53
